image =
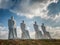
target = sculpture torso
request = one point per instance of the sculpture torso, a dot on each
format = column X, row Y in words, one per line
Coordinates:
column 11, row 23
column 43, row 29
column 22, row 26
column 36, row 27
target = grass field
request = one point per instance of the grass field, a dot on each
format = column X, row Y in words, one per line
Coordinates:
column 30, row 42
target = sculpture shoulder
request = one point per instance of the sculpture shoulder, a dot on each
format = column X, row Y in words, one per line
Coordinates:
column 9, row 20
column 22, row 24
column 41, row 25
column 14, row 20
column 35, row 24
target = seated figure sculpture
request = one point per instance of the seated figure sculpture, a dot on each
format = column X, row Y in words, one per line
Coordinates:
column 46, row 34
column 25, row 33
column 38, row 34
column 12, row 28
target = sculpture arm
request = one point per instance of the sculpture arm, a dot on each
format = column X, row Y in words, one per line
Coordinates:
column 8, row 23
column 25, row 25
column 14, row 23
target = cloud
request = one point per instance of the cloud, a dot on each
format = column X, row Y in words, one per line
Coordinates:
column 39, row 1
column 33, row 8
column 19, row 32
column 54, row 32
column 28, row 8
column 3, row 33
column 7, row 4
column 54, row 8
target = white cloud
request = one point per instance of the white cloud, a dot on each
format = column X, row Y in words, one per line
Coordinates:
column 54, row 32
column 19, row 32
column 31, row 11
column 6, row 4
column 36, row 9
column 3, row 33
column 28, row 8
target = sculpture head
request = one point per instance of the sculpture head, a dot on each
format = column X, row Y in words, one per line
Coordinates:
column 23, row 21
column 42, row 24
column 12, row 17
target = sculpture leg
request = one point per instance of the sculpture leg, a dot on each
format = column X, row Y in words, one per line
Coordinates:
column 9, row 35
column 22, row 36
column 35, row 35
column 49, row 35
column 15, row 32
column 10, row 32
column 39, row 35
column 27, row 34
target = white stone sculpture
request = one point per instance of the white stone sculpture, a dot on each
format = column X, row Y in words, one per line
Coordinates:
column 12, row 28
column 46, row 34
column 38, row 33
column 25, row 33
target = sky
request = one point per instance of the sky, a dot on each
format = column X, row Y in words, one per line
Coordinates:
column 41, row 11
